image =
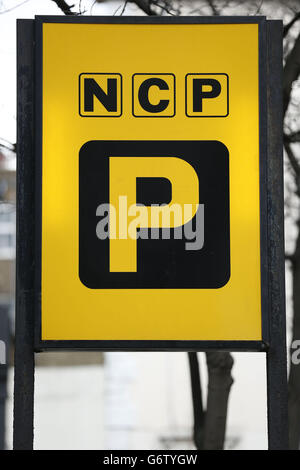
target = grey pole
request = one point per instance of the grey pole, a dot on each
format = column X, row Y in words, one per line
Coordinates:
column 276, row 355
column 24, row 333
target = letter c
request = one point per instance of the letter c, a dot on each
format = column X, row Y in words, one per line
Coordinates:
column 144, row 95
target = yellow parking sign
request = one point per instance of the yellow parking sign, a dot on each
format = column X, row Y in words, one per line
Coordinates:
column 152, row 192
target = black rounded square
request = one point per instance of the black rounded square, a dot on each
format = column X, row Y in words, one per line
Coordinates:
column 162, row 263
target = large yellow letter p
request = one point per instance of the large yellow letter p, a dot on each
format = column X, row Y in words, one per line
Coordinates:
column 129, row 216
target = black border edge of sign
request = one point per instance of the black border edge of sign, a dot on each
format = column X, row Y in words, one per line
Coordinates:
column 263, row 163
column 154, row 345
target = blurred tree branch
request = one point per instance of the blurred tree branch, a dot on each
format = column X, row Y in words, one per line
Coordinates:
column 291, row 72
column 292, row 137
column 214, row 9
column 145, row 6
column 8, row 145
column 288, row 26
column 65, row 8
column 219, row 365
column 13, row 8
column 198, row 410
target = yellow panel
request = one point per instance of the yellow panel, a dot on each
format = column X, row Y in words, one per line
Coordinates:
column 71, row 311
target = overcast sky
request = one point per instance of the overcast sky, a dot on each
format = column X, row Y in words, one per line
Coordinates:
column 28, row 9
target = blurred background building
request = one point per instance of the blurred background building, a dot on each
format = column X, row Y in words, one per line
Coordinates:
column 7, row 270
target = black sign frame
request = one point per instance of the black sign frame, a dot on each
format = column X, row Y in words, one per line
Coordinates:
column 158, row 345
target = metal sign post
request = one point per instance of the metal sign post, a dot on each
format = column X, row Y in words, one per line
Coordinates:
column 25, row 230
column 180, row 125
column 276, row 353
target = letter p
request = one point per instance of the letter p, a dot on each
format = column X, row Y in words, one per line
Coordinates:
column 123, row 174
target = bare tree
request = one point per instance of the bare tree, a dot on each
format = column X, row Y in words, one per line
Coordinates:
column 291, row 145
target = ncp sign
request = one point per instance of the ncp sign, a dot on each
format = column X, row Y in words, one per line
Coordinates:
column 153, row 95
column 151, row 192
